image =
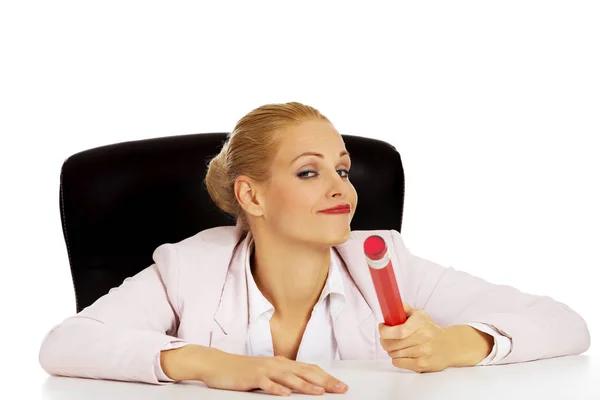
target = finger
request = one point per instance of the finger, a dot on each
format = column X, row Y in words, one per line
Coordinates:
column 402, row 331
column 316, row 375
column 294, row 382
column 409, row 352
column 412, row 364
column 408, row 308
column 399, row 344
column 272, row 387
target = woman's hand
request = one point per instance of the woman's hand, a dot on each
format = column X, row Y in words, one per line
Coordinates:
column 275, row 375
column 422, row 346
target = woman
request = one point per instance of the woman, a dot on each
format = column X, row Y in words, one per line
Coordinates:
column 254, row 306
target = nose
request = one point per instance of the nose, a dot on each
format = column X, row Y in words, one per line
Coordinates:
column 337, row 186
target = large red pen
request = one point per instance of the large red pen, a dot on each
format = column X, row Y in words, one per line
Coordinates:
column 384, row 280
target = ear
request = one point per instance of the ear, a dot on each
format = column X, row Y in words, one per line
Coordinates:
column 247, row 193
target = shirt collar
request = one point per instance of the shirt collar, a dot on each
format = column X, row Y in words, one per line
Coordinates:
column 258, row 304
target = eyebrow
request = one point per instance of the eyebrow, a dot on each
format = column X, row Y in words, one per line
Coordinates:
column 310, row 153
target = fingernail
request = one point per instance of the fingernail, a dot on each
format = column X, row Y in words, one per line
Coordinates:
column 318, row 388
column 340, row 386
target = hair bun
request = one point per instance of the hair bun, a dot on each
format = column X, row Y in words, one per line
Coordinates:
column 217, row 179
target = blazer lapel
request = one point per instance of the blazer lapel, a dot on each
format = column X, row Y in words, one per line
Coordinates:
column 354, row 258
column 356, row 328
column 231, row 318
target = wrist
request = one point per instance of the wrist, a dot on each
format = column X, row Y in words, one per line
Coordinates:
column 190, row 362
column 470, row 345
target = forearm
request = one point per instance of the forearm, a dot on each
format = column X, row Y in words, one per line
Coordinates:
column 190, row 362
column 470, row 345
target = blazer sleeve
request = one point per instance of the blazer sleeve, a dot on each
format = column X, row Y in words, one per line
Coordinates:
column 538, row 326
column 119, row 335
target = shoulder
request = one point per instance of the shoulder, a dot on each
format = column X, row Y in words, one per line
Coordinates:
column 214, row 242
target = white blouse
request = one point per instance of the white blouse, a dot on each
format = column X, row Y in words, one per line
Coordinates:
column 318, row 341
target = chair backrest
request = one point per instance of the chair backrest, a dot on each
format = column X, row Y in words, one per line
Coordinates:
column 119, row 202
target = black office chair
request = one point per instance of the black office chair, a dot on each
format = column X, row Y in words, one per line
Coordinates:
column 119, row 202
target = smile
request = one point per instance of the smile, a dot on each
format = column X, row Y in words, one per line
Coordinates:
column 337, row 211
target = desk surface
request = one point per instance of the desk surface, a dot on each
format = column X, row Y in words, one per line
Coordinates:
column 573, row 377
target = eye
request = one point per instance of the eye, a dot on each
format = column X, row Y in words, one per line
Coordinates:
column 302, row 175
column 344, row 171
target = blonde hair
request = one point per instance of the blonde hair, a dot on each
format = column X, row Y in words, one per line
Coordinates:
column 249, row 150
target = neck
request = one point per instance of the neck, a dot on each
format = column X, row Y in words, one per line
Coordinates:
column 291, row 275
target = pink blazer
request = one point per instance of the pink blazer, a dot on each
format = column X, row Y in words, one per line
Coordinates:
column 196, row 291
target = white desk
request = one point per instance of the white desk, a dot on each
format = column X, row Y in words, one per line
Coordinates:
column 572, row 378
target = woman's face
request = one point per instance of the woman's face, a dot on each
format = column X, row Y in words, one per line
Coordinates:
column 310, row 174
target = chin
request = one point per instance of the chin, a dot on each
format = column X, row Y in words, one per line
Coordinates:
column 337, row 238
column 320, row 235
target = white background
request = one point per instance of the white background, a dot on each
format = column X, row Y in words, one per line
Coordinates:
column 493, row 106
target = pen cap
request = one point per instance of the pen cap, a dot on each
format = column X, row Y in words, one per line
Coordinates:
column 376, row 252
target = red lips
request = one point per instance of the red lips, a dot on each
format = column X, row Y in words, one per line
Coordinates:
column 341, row 208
